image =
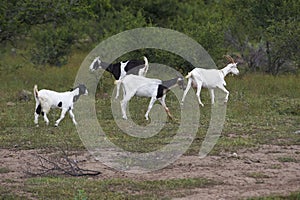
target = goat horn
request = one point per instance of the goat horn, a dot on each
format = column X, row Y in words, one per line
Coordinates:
column 229, row 58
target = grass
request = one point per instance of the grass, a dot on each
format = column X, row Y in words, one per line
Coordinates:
column 287, row 159
column 262, row 109
column 4, row 170
column 69, row 188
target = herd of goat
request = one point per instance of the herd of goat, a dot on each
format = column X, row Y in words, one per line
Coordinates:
column 132, row 76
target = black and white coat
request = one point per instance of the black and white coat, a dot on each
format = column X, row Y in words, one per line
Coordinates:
column 146, row 87
column 47, row 99
column 121, row 69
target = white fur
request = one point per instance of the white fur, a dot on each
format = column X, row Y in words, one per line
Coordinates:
column 48, row 99
column 144, row 87
column 211, row 79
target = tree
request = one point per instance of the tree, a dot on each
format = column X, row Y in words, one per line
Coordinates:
column 275, row 24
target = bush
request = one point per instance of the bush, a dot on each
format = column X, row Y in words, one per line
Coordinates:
column 52, row 46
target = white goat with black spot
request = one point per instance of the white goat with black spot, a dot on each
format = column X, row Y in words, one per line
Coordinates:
column 47, row 99
column 121, row 69
column 146, row 87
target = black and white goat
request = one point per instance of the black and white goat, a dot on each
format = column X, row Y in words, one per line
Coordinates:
column 121, row 69
column 47, row 99
column 211, row 79
column 146, row 87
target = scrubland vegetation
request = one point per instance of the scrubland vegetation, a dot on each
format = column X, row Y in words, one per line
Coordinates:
column 45, row 45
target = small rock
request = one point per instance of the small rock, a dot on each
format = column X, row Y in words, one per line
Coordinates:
column 24, row 95
column 297, row 132
column 10, row 103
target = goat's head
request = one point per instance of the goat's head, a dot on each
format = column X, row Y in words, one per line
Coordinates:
column 82, row 89
column 232, row 65
column 95, row 64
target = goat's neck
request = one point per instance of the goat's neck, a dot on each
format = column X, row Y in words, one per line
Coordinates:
column 225, row 70
column 75, row 94
column 170, row 83
column 106, row 66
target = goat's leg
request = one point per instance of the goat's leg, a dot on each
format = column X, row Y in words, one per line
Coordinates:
column 72, row 117
column 36, row 114
column 163, row 103
column 123, row 108
column 186, row 90
column 62, row 115
column 118, row 88
column 152, row 101
column 46, row 118
column 212, row 96
column 36, row 119
column 124, row 102
column 199, row 87
column 226, row 92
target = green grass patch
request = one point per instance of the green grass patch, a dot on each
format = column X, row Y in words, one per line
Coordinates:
column 257, row 175
column 70, row 188
column 7, row 194
column 262, row 109
column 4, row 170
column 287, row 159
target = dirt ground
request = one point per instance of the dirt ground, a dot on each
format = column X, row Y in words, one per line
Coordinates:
column 267, row 170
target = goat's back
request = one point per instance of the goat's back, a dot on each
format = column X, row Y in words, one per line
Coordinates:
column 54, row 99
column 210, row 78
column 141, row 85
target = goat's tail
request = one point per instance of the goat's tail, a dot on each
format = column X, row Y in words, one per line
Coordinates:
column 35, row 92
column 117, row 81
column 146, row 65
column 188, row 75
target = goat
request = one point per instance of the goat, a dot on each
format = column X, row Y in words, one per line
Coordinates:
column 211, row 79
column 121, row 69
column 47, row 99
column 146, row 87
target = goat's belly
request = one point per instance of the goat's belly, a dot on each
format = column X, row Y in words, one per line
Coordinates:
column 143, row 94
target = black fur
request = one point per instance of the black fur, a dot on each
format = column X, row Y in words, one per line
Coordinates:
column 82, row 90
column 161, row 90
column 38, row 109
column 115, row 69
column 59, row 104
column 132, row 67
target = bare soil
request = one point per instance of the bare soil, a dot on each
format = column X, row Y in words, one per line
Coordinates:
column 263, row 171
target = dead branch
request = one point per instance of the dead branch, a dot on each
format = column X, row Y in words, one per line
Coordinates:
column 58, row 165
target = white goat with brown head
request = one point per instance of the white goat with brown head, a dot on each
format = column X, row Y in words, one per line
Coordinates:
column 211, row 79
